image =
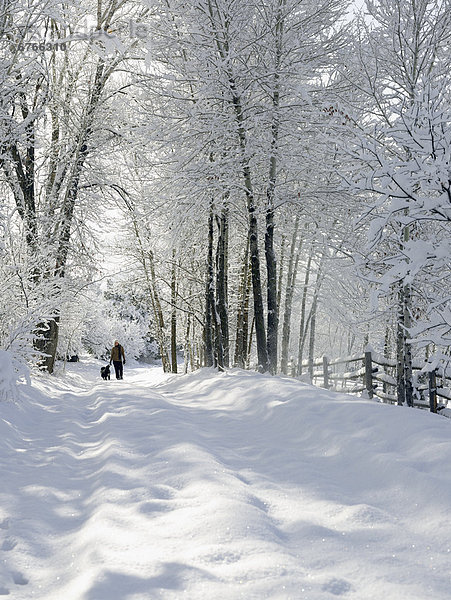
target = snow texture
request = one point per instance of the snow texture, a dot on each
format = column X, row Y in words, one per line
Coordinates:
column 227, row 486
column 11, row 371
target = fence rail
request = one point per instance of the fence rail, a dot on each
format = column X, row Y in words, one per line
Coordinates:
column 376, row 376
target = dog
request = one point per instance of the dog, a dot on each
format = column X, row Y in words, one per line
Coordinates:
column 105, row 372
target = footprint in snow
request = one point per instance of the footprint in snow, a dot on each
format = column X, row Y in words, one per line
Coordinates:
column 259, row 504
column 4, row 524
column 242, row 478
column 19, row 579
column 222, row 557
column 9, row 544
column 160, row 492
column 337, row 587
column 154, row 506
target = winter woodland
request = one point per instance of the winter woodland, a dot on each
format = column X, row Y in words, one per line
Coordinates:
column 250, row 183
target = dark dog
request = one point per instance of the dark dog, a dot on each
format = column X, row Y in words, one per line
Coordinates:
column 105, row 372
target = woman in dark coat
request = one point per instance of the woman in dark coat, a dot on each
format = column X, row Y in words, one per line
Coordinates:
column 118, row 359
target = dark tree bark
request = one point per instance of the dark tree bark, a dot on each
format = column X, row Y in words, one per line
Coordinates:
column 158, row 313
column 56, row 234
column 291, row 277
column 303, row 324
column 404, row 382
column 271, row 289
column 222, row 281
column 313, row 312
column 270, row 255
column 400, row 331
column 208, row 329
column 408, row 375
column 247, row 337
column 236, row 104
column 262, row 353
column 174, row 314
column 240, row 356
column 404, row 374
column 214, row 350
column 311, row 349
column 280, row 281
column 47, row 342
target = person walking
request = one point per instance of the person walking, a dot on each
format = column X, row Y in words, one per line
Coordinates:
column 118, row 359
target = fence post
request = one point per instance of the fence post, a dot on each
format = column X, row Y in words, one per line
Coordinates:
column 369, row 374
column 433, row 391
column 325, row 372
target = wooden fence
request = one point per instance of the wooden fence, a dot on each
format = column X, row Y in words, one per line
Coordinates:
column 376, row 375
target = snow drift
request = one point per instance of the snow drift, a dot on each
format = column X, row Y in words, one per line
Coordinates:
column 233, row 485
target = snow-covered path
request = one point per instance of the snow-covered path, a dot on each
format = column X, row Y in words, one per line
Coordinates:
column 219, row 487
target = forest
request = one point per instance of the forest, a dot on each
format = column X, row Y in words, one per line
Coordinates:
column 226, row 183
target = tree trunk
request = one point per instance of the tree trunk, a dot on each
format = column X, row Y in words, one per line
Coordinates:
column 174, row 314
column 235, row 101
column 280, row 282
column 158, row 315
column 404, row 374
column 387, row 352
column 246, row 309
column 47, row 343
column 215, row 355
column 242, row 316
column 313, row 312
column 303, row 325
column 291, row 277
column 270, row 255
column 311, row 349
column 271, row 289
column 262, row 353
column 221, row 281
column 187, row 350
column 400, row 346
column 249, row 346
column 408, row 375
column 208, row 330
column 147, row 262
column 242, row 348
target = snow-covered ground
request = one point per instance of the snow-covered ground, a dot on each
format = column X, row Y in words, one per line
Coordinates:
column 219, row 487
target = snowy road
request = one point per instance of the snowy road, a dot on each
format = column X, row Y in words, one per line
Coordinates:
column 219, row 487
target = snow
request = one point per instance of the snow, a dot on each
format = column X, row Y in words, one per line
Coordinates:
column 233, row 485
column 11, row 371
column 7, row 375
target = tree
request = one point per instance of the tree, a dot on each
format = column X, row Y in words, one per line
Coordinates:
column 51, row 128
column 400, row 142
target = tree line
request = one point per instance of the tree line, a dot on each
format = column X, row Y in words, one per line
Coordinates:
column 279, row 170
